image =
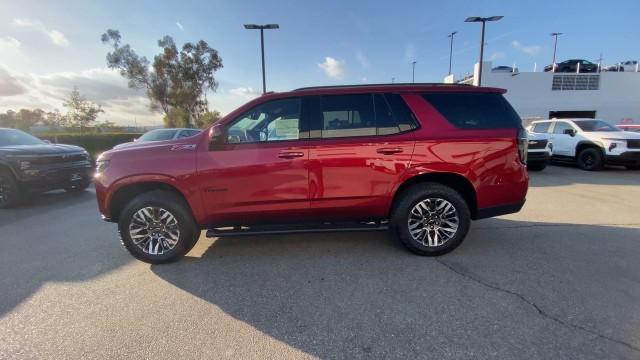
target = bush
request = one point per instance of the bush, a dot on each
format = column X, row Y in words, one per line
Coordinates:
column 93, row 143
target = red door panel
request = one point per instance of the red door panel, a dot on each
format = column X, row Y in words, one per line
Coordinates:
column 354, row 177
column 250, row 183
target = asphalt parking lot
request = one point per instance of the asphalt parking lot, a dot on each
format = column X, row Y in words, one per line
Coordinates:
column 561, row 279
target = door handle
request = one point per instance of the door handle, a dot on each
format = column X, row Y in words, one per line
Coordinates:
column 290, row 154
column 389, row 151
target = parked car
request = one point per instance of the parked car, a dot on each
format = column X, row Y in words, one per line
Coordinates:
column 506, row 69
column 539, row 151
column 161, row 135
column 423, row 160
column 629, row 65
column 592, row 143
column 29, row 165
column 629, row 127
column 572, row 66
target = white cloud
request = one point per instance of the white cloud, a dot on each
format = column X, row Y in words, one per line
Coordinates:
column 9, row 85
column 9, row 43
column 531, row 50
column 179, row 26
column 332, row 67
column 246, row 93
column 100, row 85
column 56, row 37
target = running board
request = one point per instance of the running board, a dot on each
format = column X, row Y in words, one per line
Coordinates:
column 295, row 229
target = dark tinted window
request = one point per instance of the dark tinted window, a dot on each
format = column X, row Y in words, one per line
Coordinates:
column 475, row 110
column 188, row 133
column 401, row 112
column 10, row 137
column 385, row 121
column 347, row 115
column 560, row 127
column 541, row 127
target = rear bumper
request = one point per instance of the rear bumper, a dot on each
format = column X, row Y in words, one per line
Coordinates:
column 498, row 210
column 625, row 158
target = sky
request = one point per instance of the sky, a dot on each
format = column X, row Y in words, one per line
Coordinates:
column 48, row 47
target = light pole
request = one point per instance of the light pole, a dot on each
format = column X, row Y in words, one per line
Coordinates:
column 413, row 72
column 555, row 47
column 451, row 49
column 483, row 20
column 262, row 28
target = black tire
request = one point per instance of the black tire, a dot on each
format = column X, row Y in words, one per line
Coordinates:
column 189, row 232
column 536, row 166
column 414, row 195
column 633, row 167
column 590, row 159
column 77, row 187
column 10, row 194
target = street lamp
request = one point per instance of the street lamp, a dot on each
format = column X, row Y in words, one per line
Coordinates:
column 555, row 46
column 413, row 72
column 262, row 28
column 451, row 49
column 483, row 20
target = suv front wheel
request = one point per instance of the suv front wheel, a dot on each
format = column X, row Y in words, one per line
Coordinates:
column 431, row 219
column 590, row 159
column 157, row 227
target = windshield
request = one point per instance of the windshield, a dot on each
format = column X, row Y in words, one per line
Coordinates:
column 11, row 137
column 158, row 135
column 595, row 125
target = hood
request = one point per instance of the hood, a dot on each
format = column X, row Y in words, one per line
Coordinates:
column 41, row 149
column 627, row 135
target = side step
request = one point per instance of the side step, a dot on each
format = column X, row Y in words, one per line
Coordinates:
column 296, row 229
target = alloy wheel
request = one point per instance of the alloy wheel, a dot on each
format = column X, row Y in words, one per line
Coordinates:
column 154, row 230
column 433, row 221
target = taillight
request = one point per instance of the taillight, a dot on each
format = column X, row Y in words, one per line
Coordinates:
column 523, row 145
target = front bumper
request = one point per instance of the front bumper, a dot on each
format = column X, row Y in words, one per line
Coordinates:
column 625, row 158
column 54, row 177
column 538, row 157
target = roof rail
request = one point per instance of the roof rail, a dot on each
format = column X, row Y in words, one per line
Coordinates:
column 377, row 85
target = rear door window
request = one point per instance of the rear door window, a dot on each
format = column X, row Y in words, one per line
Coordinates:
column 475, row 110
column 347, row 115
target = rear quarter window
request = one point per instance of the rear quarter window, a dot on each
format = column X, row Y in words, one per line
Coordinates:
column 475, row 110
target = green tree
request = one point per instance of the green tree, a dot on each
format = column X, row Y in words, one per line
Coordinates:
column 176, row 82
column 207, row 119
column 81, row 112
column 177, row 117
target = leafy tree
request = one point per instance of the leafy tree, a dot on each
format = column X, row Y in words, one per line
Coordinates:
column 81, row 112
column 177, row 117
column 207, row 119
column 176, row 82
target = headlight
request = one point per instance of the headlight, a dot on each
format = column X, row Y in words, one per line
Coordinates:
column 101, row 166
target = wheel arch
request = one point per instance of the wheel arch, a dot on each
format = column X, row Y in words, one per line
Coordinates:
column 584, row 144
column 125, row 193
column 455, row 181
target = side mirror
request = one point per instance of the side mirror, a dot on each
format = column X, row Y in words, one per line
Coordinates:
column 570, row 132
column 218, row 137
column 47, row 141
column 135, row 139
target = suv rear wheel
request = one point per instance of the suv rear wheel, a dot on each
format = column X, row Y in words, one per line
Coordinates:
column 157, row 227
column 431, row 219
column 590, row 159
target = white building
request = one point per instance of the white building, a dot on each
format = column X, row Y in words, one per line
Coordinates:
column 613, row 96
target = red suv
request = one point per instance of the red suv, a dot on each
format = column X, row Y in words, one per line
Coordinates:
column 421, row 159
